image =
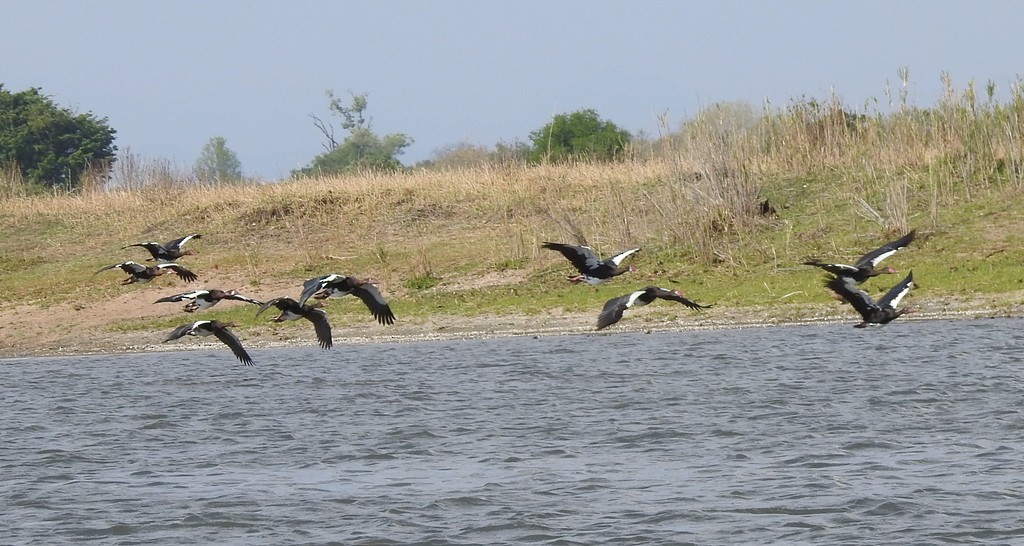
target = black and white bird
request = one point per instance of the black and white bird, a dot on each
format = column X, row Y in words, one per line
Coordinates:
column 884, row 310
column 593, row 270
column 614, row 307
column 293, row 310
column 167, row 252
column 337, row 286
column 205, row 299
column 143, row 273
column 215, row 328
column 867, row 266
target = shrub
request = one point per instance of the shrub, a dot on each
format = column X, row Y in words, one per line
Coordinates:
column 581, row 135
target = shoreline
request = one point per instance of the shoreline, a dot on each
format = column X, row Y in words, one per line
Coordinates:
column 468, row 329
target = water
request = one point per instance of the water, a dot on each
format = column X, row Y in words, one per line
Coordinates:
column 813, row 434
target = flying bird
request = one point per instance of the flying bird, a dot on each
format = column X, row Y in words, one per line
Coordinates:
column 293, row 310
column 204, row 299
column 884, row 310
column 337, row 286
column 593, row 270
column 216, row 328
column 143, row 273
column 167, row 252
column 614, row 307
column 867, row 266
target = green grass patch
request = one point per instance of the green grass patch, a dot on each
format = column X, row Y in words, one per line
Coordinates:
column 424, row 282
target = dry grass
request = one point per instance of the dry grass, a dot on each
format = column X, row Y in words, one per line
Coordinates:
column 408, row 225
column 353, row 209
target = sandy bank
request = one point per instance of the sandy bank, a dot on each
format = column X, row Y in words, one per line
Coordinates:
column 28, row 331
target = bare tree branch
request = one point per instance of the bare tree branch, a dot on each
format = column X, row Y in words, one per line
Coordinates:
column 328, row 132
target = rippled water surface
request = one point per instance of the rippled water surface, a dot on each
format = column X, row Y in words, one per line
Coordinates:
column 827, row 434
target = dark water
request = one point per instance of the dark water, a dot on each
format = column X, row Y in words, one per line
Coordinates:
column 813, row 434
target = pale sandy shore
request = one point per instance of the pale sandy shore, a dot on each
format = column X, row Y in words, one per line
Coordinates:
column 26, row 331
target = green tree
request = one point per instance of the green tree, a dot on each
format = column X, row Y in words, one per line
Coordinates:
column 50, row 145
column 353, row 113
column 217, row 162
column 579, row 135
column 362, row 148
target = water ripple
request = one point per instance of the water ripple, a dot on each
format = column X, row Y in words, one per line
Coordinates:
column 756, row 436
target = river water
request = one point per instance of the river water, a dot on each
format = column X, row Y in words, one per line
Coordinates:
column 912, row 433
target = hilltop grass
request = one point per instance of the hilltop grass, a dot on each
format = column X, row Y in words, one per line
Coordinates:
column 466, row 242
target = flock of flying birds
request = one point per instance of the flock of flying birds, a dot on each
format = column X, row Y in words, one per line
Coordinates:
column 318, row 288
column 843, row 281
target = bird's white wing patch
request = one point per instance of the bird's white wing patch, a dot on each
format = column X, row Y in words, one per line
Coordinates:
column 617, row 259
column 844, row 267
column 632, row 298
column 875, row 261
column 896, row 299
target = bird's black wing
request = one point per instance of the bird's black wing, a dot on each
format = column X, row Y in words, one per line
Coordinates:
column 320, row 325
column 581, row 257
column 239, row 297
column 310, row 287
column 231, row 340
column 155, row 249
column 180, row 241
column 111, row 266
column 132, row 268
column 178, row 297
column 847, row 289
column 895, row 294
column 835, row 269
column 273, row 303
column 375, row 302
column 180, row 331
column 672, row 295
column 181, row 272
column 613, row 309
column 876, row 256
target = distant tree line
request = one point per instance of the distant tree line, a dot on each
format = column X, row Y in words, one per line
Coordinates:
column 576, row 136
column 52, row 146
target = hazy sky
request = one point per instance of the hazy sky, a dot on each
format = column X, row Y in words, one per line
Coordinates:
column 170, row 75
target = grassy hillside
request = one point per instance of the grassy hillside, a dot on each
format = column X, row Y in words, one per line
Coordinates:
column 466, row 242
